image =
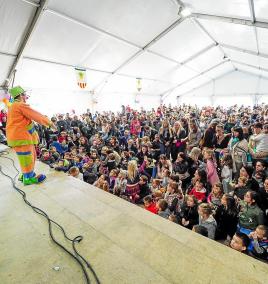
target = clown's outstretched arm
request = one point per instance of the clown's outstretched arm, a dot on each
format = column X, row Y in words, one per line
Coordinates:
column 34, row 115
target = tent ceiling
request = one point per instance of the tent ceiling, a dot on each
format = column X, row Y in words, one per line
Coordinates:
column 233, row 8
column 234, row 34
column 12, row 26
column 125, row 39
column 180, row 43
column 261, row 9
column 135, row 20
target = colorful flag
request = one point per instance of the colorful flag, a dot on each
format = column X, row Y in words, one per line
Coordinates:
column 81, row 76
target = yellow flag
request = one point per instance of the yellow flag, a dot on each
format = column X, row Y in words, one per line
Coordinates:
column 81, row 76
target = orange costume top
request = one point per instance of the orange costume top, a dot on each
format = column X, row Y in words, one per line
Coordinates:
column 20, row 129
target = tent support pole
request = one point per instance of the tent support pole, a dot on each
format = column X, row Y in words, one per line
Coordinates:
column 27, row 37
column 240, row 21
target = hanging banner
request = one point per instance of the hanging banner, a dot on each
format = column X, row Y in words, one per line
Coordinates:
column 81, row 76
column 138, row 84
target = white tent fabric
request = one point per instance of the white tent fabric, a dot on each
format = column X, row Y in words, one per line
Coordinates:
column 118, row 41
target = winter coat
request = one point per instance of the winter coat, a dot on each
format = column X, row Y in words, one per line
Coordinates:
column 210, row 224
column 226, row 222
column 189, row 214
column 165, row 214
column 212, row 172
column 250, row 216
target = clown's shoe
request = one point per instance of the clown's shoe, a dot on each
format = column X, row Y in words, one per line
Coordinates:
column 20, row 177
column 34, row 180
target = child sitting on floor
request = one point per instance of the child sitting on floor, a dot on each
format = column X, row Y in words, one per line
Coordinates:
column 174, row 197
column 240, row 189
column 207, row 220
column 189, row 212
column 149, row 204
column 112, row 177
column 120, row 183
column 162, row 207
column 144, row 188
column 47, row 158
column 240, row 242
column 74, row 172
column 198, row 191
column 214, row 198
column 259, row 242
column 62, row 166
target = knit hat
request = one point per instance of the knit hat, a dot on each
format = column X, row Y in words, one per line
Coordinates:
column 16, row 91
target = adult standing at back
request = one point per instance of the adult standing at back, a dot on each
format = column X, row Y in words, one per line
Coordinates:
column 258, row 142
column 238, row 147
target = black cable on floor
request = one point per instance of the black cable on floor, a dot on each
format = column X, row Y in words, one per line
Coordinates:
column 76, row 256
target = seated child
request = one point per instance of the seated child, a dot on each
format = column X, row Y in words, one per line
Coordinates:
column 166, row 178
column 62, row 166
column 149, row 204
column 144, row 188
column 54, row 153
column 189, row 212
column 77, row 162
column 162, row 207
column 214, row 198
column 207, row 220
column 226, row 172
column 240, row 242
column 147, row 168
column 155, row 188
column 110, row 162
column 73, row 151
column 201, row 230
column 240, row 188
column 74, row 172
column 47, row 158
column 198, row 191
column 120, row 183
column 60, row 147
column 69, row 158
column 112, row 177
column 250, row 215
column 174, row 197
column 89, row 176
column 259, row 242
column 102, row 183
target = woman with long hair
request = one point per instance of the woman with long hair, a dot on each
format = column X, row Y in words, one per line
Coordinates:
column 132, row 187
column 165, row 133
column 178, row 145
column 238, row 148
column 226, row 216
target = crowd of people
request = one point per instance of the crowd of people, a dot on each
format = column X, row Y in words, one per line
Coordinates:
column 203, row 168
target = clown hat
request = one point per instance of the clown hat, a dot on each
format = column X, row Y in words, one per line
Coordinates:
column 16, row 91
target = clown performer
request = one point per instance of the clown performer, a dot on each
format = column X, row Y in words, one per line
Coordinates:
column 22, row 136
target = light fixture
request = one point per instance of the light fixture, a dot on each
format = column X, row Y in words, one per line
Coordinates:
column 185, row 12
column 138, row 84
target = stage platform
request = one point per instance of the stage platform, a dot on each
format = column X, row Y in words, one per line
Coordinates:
column 123, row 242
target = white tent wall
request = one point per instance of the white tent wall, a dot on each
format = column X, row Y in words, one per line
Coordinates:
column 233, row 88
column 55, row 101
column 113, row 101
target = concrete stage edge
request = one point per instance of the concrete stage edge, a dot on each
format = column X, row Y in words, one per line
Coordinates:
column 124, row 243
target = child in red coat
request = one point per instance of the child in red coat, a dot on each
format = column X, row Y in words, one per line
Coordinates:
column 199, row 191
column 149, row 204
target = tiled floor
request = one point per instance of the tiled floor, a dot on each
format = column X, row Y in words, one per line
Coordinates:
column 123, row 242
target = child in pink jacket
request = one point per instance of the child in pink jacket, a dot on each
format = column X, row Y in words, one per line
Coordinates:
column 211, row 167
